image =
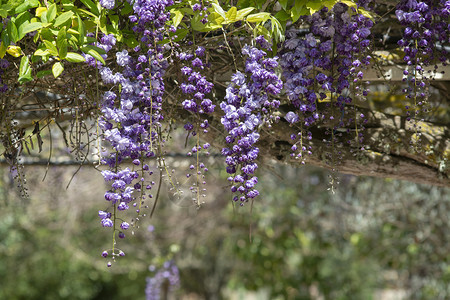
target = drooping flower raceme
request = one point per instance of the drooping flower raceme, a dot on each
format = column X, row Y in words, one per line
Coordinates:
column 327, row 62
column 425, row 41
column 248, row 104
column 167, row 276
column 131, row 115
column 195, row 89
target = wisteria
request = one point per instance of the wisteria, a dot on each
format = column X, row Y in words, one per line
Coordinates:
column 131, row 120
column 196, row 89
column 165, row 280
column 324, row 65
column 202, row 9
column 269, row 66
column 425, row 35
column 249, row 101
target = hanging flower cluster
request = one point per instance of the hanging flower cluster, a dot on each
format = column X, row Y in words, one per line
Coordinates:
column 202, row 9
column 424, row 42
column 131, row 118
column 166, row 277
column 249, row 102
column 196, row 88
column 324, row 65
column 322, row 61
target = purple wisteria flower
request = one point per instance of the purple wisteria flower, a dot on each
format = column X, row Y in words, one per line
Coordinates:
column 248, row 104
column 196, row 86
column 132, row 108
column 124, row 225
column 123, row 59
column 168, row 273
column 425, row 29
column 327, row 61
column 108, row 4
column 292, row 117
column 107, row 222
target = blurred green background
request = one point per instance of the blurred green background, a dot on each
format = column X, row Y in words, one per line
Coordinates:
column 373, row 239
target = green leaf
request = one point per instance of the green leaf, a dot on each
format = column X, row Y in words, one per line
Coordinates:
column 20, row 21
column 242, row 13
column 296, row 11
column 259, row 3
column 15, row 51
column 92, row 7
column 282, row 16
column 80, row 10
column 63, row 18
column 44, row 17
column 29, row 27
column 367, row 14
column 349, row 3
column 5, row 38
column 187, row 11
column 314, row 6
column 43, row 73
column 283, row 3
column 72, row 32
column 74, row 57
column 231, row 15
column 62, row 49
column 261, row 30
column 20, row 28
column 89, row 39
column 61, row 36
column 181, row 33
column 177, row 17
column 81, row 29
column 57, row 69
column 218, row 9
column 2, row 49
column 51, row 13
column 197, row 25
column 72, row 43
column 329, row 3
column 24, row 70
column 213, row 18
column 46, row 33
column 102, row 24
column 93, row 53
column 97, row 49
column 40, row 10
column 259, row 17
column 68, row 4
column 41, row 52
column 277, row 30
column 12, row 31
column 131, row 42
column 114, row 19
column 26, row 5
column 126, row 9
column 4, row 10
column 51, row 48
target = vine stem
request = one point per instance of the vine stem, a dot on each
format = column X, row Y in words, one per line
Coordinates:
column 197, row 166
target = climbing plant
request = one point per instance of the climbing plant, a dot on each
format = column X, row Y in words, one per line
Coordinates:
column 353, row 86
